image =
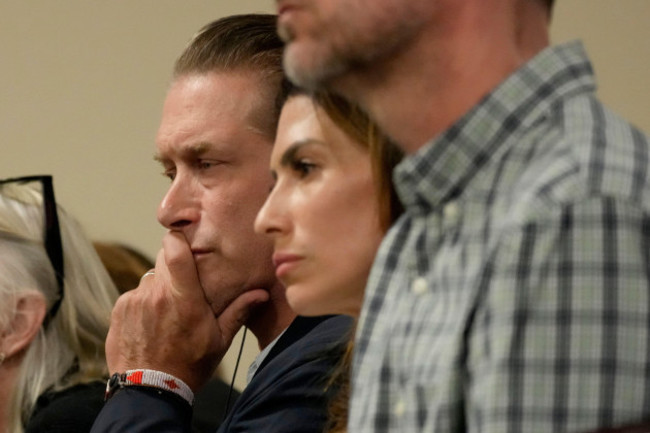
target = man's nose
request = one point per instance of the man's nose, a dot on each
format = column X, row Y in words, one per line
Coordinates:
column 180, row 205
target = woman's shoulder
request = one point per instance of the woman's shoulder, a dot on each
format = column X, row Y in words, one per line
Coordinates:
column 73, row 409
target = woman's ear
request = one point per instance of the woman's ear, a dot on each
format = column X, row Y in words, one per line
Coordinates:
column 25, row 324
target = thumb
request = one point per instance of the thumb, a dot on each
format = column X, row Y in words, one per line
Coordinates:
column 238, row 312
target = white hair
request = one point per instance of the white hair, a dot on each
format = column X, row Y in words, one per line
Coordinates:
column 71, row 350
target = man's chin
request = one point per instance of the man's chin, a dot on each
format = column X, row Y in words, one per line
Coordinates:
column 214, row 295
column 285, row 33
column 307, row 70
column 218, row 306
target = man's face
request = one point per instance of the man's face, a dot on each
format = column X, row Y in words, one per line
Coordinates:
column 212, row 146
column 327, row 39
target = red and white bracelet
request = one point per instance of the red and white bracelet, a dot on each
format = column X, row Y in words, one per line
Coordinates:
column 149, row 378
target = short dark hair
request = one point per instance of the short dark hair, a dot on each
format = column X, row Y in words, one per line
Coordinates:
column 234, row 42
column 247, row 42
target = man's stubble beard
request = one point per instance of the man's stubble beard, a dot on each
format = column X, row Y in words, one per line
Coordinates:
column 317, row 74
column 349, row 56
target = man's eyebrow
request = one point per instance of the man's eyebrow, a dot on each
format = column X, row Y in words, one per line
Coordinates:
column 193, row 150
column 289, row 155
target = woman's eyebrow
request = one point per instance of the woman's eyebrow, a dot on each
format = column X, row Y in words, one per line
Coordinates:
column 289, row 155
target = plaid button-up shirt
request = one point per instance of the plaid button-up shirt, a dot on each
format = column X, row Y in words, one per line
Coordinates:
column 513, row 295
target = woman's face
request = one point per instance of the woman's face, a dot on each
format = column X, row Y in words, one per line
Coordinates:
column 322, row 213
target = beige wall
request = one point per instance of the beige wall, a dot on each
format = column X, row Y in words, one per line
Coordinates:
column 617, row 37
column 82, row 82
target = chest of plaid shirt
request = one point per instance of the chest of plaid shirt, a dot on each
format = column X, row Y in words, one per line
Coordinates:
column 513, row 295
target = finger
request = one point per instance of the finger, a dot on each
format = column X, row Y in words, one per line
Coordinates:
column 112, row 343
column 149, row 273
column 161, row 273
column 238, row 312
column 181, row 268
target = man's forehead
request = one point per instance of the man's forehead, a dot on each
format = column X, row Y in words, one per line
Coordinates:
column 223, row 99
column 240, row 142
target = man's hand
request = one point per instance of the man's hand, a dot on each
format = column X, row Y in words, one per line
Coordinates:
column 166, row 323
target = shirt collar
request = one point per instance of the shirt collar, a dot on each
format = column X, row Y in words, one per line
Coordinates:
column 441, row 169
column 260, row 358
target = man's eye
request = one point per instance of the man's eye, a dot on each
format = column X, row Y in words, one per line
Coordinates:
column 204, row 165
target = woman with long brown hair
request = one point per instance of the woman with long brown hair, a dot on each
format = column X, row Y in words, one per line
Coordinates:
column 331, row 205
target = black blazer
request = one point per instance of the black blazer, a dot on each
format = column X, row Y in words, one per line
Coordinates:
column 287, row 394
column 210, row 405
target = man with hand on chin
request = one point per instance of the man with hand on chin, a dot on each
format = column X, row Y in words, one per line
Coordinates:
column 214, row 274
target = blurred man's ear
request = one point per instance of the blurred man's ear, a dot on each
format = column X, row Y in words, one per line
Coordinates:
column 25, row 324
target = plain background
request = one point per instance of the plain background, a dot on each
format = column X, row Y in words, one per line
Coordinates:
column 82, row 85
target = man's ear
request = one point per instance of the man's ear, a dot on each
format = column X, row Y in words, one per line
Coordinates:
column 25, row 324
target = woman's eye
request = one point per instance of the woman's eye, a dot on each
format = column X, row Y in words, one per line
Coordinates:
column 169, row 174
column 303, row 167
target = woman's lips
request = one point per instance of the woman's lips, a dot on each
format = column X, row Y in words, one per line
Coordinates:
column 284, row 263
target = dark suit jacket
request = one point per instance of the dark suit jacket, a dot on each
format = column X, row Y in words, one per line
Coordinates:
column 210, row 405
column 287, row 395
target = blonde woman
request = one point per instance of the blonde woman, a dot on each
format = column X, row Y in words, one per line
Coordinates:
column 55, row 304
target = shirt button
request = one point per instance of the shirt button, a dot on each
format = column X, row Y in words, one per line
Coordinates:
column 450, row 211
column 419, row 286
column 400, row 408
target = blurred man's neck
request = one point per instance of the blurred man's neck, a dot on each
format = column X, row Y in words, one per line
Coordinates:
column 421, row 91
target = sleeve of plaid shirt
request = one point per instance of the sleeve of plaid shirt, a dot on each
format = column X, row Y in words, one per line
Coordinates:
column 562, row 341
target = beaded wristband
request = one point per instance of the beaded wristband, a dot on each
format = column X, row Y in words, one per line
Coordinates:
column 149, row 378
